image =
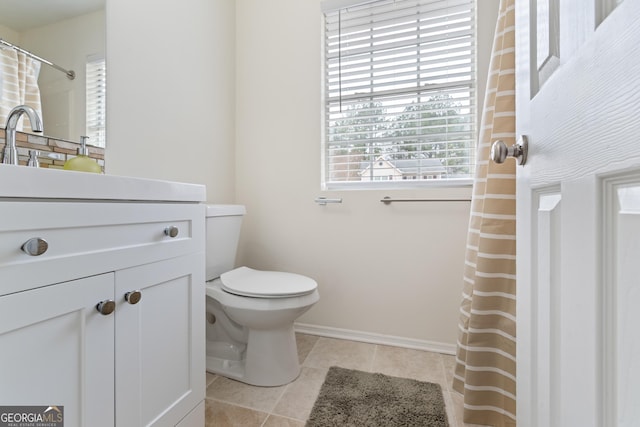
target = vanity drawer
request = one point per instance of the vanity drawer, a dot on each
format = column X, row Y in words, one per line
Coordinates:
column 89, row 238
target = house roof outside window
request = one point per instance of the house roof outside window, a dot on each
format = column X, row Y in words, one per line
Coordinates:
column 388, row 168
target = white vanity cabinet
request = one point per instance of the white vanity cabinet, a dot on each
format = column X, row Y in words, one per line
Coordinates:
column 138, row 362
column 159, row 376
column 56, row 349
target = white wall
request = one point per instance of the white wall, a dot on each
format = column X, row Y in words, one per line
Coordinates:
column 391, row 270
column 170, row 92
column 173, row 114
column 9, row 34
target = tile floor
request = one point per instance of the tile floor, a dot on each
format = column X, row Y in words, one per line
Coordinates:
column 231, row 403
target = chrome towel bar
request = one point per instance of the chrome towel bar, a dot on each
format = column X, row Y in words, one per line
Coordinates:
column 388, row 200
column 323, row 200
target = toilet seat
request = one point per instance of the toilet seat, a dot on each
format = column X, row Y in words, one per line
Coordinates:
column 248, row 282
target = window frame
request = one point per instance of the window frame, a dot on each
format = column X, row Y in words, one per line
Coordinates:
column 403, row 182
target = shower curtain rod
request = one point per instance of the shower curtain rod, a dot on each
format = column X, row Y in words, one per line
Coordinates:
column 70, row 73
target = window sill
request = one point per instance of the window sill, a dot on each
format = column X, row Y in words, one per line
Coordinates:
column 441, row 191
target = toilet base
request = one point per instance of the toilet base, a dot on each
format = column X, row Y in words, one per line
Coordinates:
column 270, row 359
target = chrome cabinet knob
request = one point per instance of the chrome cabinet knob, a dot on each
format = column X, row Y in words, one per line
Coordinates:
column 35, row 246
column 133, row 297
column 106, row 307
column 500, row 151
column 171, row 231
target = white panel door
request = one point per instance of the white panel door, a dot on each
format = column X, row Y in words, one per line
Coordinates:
column 56, row 349
column 578, row 202
column 160, row 354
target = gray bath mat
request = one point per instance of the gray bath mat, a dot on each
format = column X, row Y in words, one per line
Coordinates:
column 363, row 399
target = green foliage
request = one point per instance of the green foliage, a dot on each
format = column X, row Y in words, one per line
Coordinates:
column 430, row 129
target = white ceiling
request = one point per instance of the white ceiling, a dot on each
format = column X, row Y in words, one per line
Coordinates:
column 21, row 15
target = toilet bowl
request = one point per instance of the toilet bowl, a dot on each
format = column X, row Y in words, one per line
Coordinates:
column 251, row 338
column 250, row 313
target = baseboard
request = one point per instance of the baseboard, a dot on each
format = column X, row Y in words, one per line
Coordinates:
column 347, row 334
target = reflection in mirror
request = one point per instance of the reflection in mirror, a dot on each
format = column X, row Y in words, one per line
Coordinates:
column 70, row 34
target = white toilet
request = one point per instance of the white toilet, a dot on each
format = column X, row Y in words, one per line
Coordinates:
column 250, row 313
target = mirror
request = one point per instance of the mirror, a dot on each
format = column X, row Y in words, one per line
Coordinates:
column 68, row 33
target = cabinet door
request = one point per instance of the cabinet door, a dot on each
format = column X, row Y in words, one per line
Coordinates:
column 56, row 349
column 160, row 372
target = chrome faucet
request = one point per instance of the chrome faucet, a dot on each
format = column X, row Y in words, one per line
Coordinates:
column 10, row 151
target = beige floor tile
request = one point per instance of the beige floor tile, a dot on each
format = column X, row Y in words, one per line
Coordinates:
column 407, row 363
column 210, row 378
column 304, row 344
column 449, row 367
column 450, row 407
column 219, row 414
column 299, row 397
column 232, row 403
column 235, row 392
column 456, row 398
column 276, row 421
column 347, row 354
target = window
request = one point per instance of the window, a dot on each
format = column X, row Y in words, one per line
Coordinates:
column 399, row 92
column 96, row 95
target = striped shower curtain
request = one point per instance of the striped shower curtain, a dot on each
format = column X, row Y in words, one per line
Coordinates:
column 18, row 85
column 486, row 354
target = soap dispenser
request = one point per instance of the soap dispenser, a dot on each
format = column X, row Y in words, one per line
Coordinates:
column 82, row 162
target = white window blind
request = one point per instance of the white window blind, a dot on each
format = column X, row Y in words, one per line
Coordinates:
column 96, row 96
column 400, row 92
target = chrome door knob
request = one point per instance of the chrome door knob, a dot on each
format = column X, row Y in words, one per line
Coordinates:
column 106, row 307
column 171, row 231
column 35, row 246
column 500, row 151
column 133, row 297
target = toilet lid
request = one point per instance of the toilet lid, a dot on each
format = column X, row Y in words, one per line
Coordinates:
column 248, row 282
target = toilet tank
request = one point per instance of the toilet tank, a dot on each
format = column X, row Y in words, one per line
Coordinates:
column 223, row 232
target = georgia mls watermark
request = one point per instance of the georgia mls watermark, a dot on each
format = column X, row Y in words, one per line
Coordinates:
column 31, row 416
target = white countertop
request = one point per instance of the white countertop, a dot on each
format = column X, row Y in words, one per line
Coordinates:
column 27, row 182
